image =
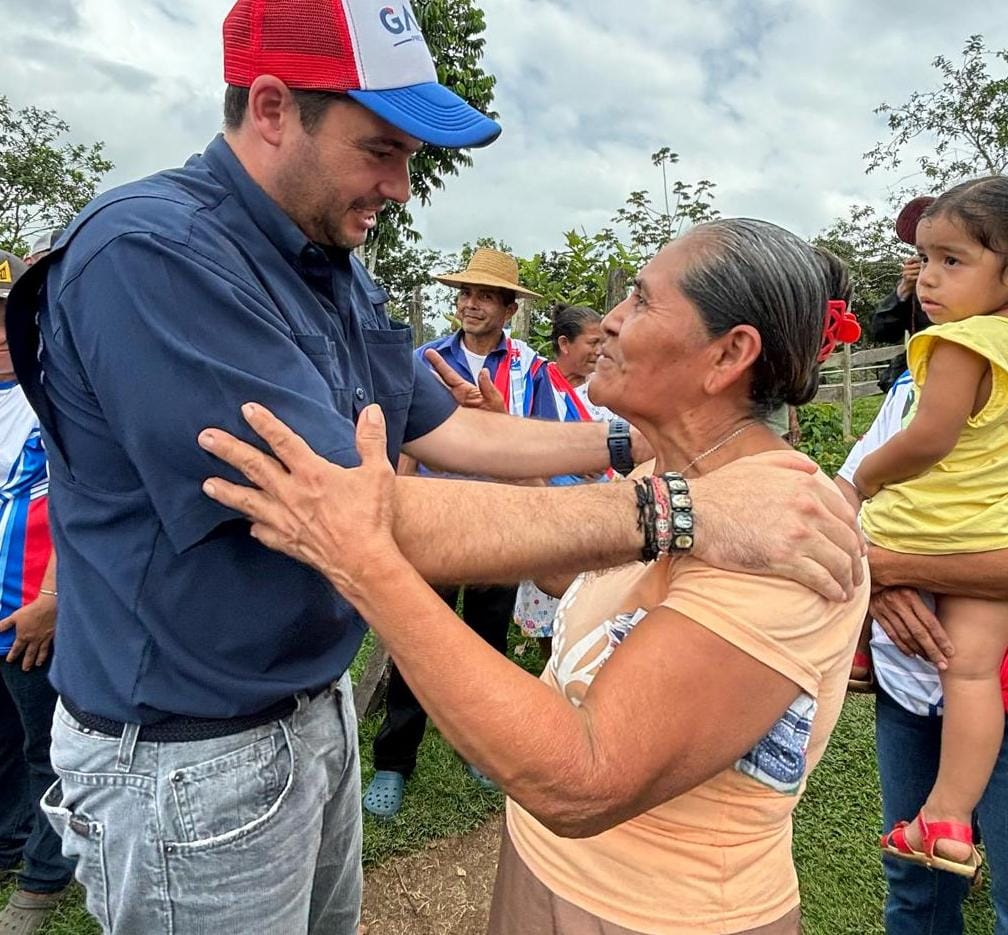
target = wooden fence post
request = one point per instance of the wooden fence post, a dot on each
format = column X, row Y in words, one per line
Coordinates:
column 520, row 321
column 371, row 688
column 848, row 392
column 616, row 288
column 416, row 316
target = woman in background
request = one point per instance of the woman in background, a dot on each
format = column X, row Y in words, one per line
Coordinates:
column 576, row 335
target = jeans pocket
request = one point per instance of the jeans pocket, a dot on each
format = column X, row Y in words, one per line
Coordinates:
column 84, row 841
column 228, row 796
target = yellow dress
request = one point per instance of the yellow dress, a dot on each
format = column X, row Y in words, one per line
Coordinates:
column 961, row 503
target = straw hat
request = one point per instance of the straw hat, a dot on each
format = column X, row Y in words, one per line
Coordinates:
column 489, row 268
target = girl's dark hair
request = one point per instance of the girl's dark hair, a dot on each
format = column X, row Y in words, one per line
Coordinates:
column 755, row 273
column 569, row 321
column 981, row 207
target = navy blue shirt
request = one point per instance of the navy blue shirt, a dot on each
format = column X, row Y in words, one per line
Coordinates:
column 170, row 302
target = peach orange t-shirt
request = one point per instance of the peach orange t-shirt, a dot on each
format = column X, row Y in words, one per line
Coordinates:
column 716, row 859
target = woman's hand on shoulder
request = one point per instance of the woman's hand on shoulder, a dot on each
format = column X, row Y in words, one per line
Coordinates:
column 338, row 520
column 772, row 515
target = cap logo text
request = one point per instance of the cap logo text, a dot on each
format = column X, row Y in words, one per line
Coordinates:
column 397, row 25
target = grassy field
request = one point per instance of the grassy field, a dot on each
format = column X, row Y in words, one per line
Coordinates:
column 835, row 829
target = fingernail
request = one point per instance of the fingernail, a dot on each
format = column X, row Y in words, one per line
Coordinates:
column 207, row 439
column 371, row 415
column 248, row 410
column 209, row 488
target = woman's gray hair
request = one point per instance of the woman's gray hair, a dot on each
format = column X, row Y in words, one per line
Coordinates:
column 749, row 272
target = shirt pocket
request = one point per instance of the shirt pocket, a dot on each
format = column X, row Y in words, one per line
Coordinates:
column 374, row 315
column 321, row 351
column 324, row 355
column 390, row 358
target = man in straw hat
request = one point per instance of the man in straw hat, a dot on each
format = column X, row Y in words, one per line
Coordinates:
column 486, row 300
column 205, row 740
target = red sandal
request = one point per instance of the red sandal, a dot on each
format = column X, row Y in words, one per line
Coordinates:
column 896, row 844
column 866, row 684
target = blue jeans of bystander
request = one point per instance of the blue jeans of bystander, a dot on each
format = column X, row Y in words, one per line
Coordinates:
column 256, row 832
column 27, row 701
column 921, row 901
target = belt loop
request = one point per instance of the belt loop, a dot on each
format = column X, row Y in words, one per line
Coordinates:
column 301, row 700
column 127, row 747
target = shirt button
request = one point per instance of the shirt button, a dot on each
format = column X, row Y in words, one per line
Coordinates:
column 359, row 393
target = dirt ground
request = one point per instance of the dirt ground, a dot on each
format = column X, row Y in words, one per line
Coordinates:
column 443, row 890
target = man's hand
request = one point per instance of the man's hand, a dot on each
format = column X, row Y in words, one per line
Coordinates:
column 34, row 626
column 911, row 625
column 484, row 396
column 907, row 284
column 772, row 516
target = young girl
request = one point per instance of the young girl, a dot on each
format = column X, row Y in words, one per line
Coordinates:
column 941, row 486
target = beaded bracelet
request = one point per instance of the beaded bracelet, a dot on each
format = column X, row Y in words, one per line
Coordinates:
column 664, row 514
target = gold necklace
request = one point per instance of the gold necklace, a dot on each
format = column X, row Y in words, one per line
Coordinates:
column 724, row 441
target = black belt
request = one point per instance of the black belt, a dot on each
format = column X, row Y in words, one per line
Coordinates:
column 178, row 728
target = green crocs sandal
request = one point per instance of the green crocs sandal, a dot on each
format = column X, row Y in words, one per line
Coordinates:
column 384, row 795
column 482, row 778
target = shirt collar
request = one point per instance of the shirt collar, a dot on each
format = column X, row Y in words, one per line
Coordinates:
column 266, row 214
column 455, row 343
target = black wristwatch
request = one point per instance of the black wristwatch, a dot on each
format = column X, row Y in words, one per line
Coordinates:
column 620, row 455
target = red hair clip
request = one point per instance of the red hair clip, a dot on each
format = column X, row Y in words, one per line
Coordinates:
column 841, row 328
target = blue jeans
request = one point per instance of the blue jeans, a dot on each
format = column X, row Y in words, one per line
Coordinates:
column 27, row 701
column 921, row 901
column 257, row 832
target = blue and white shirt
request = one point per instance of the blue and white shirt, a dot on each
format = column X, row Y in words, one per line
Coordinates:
column 911, row 681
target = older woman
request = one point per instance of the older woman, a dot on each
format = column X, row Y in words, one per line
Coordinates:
column 683, row 706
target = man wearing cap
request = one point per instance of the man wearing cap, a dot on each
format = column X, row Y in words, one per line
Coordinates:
column 27, row 624
column 900, row 312
column 43, row 244
column 488, row 289
column 205, row 739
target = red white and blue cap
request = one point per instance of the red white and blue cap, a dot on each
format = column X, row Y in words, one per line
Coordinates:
column 372, row 51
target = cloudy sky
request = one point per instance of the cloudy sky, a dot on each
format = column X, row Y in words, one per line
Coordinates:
column 771, row 99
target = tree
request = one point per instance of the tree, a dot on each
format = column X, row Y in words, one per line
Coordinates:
column 682, row 203
column 401, row 271
column 453, row 29
column 582, row 273
column 873, row 253
column 964, row 122
column 43, row 183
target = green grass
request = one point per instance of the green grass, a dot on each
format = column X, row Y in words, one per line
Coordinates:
column 836, row 824
column 834, row 845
